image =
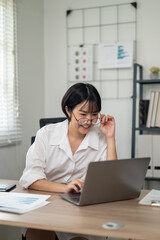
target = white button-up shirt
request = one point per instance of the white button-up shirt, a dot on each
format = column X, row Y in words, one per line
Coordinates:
column 50, row 156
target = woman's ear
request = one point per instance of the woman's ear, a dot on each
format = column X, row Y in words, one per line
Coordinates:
column 67, row 111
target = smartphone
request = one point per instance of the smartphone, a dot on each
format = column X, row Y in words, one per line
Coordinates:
column 5, row 187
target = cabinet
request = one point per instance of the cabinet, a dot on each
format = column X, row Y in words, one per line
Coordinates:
column 138, row 83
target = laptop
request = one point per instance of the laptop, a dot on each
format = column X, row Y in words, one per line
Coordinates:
column 109, row 181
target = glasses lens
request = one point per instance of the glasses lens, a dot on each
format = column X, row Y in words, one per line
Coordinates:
column 95, row 121
column 83, row 121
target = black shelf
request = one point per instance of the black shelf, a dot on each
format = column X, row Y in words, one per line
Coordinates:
column 141, row 128
column 147, row 129
column 141, row 82
column 153, row 81
column 152, row 179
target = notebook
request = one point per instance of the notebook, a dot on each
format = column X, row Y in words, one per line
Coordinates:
column 109, row 181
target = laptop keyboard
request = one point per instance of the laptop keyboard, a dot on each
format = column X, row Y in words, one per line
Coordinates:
column 75, row 197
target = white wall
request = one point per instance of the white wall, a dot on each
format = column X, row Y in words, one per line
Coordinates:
column 31, row 68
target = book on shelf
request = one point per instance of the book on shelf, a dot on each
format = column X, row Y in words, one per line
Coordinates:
column 143, row 112
column 153, row 116
column 150, row 109
column 154, row 111
column 157, row 121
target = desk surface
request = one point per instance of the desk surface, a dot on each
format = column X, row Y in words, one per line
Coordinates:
column 140, row 222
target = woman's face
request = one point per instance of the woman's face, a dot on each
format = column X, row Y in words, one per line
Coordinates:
column 80, row 112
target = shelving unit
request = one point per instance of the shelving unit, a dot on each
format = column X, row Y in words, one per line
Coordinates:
column 141, row 82
column 138, row 72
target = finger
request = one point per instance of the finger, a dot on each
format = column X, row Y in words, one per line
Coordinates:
column 81, row 181
column 108, row 118
column 79, row 184
column 72, row 188
column 105, row 118
column 77, row 188
column 101, row 117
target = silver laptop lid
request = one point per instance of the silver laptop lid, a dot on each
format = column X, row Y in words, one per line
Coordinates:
column 110, row 181
column 114, row 180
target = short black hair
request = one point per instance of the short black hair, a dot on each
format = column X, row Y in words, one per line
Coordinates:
column 78, row 93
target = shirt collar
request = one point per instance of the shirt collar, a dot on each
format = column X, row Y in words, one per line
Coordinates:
column 91, row 139
column 59, row 134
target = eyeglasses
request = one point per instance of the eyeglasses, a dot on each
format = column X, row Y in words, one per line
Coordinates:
column 83, row 121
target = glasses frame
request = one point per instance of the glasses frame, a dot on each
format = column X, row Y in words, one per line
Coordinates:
column 91, row 120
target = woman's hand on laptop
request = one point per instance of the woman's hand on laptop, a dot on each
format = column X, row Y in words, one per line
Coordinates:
column 74, row 186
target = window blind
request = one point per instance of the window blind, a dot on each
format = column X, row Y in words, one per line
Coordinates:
column 10, row 124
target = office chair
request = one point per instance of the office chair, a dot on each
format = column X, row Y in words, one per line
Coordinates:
column 32, row 139
column 45, row 121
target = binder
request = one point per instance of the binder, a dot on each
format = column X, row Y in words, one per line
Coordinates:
column 157, row 121
column 154, row 111
column 150, row 110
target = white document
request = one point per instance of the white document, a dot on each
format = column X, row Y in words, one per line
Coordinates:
column 81, row 63
column 21, row 202
column 116, row 55
column 152, row 198
column 107, row 55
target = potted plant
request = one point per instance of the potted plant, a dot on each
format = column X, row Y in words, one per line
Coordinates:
column 154, row 72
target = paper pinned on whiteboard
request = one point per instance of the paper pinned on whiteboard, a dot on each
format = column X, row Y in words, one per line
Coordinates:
column 116, row 55
column 81, row 63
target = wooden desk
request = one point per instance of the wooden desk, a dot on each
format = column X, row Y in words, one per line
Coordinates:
column 140, row 222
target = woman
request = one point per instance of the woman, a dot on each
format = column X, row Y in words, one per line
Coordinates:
column 58, row 159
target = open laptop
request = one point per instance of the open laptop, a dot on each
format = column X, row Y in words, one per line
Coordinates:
column 109, row 181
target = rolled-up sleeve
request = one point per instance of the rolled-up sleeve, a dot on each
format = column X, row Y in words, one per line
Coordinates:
column 35, row 161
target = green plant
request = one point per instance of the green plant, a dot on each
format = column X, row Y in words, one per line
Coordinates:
column 154, row 69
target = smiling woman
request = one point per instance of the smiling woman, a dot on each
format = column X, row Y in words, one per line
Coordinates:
column 58, row 159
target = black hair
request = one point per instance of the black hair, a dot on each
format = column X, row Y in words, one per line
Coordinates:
column 78, row 93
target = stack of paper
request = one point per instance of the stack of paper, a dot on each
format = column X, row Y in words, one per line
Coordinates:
column 21, row 202
column 152, row 198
